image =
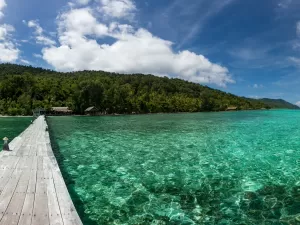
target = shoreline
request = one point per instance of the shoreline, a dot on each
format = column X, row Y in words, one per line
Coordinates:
column 5, row 116
column 136, row 114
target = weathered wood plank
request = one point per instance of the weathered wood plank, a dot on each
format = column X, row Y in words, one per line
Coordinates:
column 26, row 215
column 69, row 214
column 14, row 209
column 53, row 205
column 10, row 187
column 40, row 209
column 33, row 174
column 8, row 171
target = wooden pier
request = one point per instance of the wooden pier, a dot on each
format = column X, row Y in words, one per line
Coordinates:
column 32, row 189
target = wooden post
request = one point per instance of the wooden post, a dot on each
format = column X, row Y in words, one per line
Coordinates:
column 5, row 145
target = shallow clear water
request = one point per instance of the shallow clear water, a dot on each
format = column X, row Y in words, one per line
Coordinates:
column 12, row 126
column 203, row 168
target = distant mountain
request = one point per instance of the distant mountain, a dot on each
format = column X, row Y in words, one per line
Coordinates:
column 278, row 103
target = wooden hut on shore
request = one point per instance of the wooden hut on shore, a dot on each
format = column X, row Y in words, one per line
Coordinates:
column 232, row 108
column 61, row 111
column 92, row 111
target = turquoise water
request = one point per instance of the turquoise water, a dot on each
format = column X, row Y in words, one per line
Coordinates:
column 12, row 126
column 203, row 168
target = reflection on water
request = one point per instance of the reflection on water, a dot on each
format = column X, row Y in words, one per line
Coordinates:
column 205, row 168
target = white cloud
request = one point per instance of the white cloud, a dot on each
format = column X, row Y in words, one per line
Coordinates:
column 35, row 24
column 8, row 50
column 39, row 36
column 25, row 61
column 82, row 46
column 44, row 40
column 78, row 23
column 297, row 103
column 2, row 6
column 118, row 8
column 5, row 31
column 37, row 55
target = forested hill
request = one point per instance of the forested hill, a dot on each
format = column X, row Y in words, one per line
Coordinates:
column 25, row 88
column 278, row 103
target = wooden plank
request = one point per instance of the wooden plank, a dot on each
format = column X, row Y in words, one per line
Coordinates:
column 46, row 165
column 40, row 210
column 44, row 149
column 23, row 150
column 24, row 180
column 8, row 171
column 40, row 214
column 33, row 150
column 33, row 175
column 13, row 212
column 7, row 162
column 68, row 211
column 41, row 182
column 10, row 188
column 27, row 211
column 26, row 215
column 15, row 145
column 39, row 150
column 14, row 209
column 55, row 216
column 50, row 153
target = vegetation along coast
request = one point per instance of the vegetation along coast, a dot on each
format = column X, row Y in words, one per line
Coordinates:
column 24, row 88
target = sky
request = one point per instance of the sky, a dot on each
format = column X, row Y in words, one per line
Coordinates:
column 248, row 48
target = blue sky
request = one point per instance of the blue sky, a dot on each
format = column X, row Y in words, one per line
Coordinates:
column 249, row 48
